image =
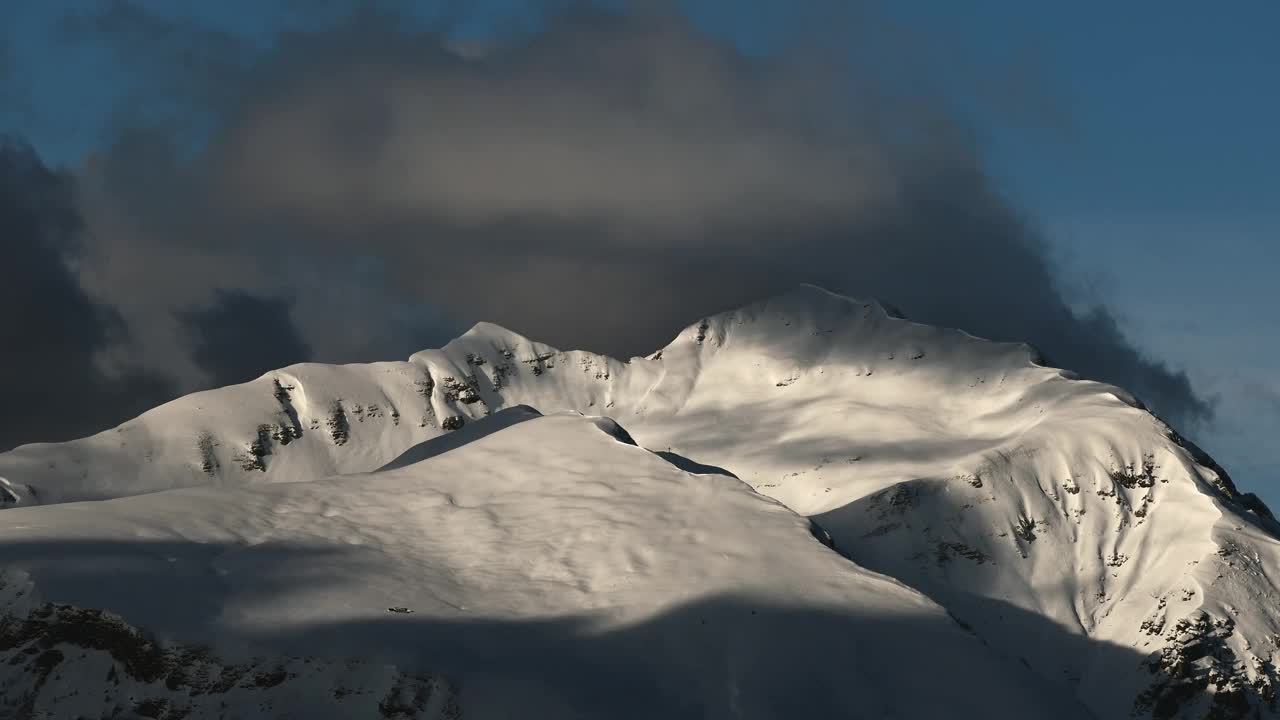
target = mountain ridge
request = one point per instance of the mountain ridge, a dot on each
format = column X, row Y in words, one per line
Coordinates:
column 958, row 466
column 546, row 566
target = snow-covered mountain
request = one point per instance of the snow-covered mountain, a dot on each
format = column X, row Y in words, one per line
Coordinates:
column 1015, row 542
column 553, row 568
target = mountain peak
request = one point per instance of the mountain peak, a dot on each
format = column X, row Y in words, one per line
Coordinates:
column 486, row 333
column 1027, row 503
column 809, row 300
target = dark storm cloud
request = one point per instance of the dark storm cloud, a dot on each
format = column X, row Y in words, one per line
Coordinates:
column 598, row 184
column 52, row 330
column 240, row 336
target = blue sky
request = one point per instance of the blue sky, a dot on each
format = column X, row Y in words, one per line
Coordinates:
column 1163, row 193
column 1141, row 138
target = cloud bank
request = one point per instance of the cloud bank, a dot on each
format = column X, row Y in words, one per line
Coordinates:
column 52, row 331
column 239, row 335
column 597, row 183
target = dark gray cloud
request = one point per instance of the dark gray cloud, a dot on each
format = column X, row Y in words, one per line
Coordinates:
column 240, row 336
column 52, row 384
column 597, row 184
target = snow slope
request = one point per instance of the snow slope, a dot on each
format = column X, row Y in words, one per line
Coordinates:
column 552, row 568
column 1068, row 527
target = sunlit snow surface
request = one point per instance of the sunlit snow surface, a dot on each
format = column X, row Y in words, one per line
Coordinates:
column 554, row 568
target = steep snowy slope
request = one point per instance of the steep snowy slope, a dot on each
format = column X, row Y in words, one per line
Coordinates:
column 552, row 569
column 1066, row 525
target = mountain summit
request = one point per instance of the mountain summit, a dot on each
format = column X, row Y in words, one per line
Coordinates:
column 1020, row 541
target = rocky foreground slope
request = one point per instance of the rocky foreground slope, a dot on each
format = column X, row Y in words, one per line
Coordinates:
column 1081, row 545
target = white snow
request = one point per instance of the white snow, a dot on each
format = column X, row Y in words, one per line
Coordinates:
column 1056, row 518
column 552, row 569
